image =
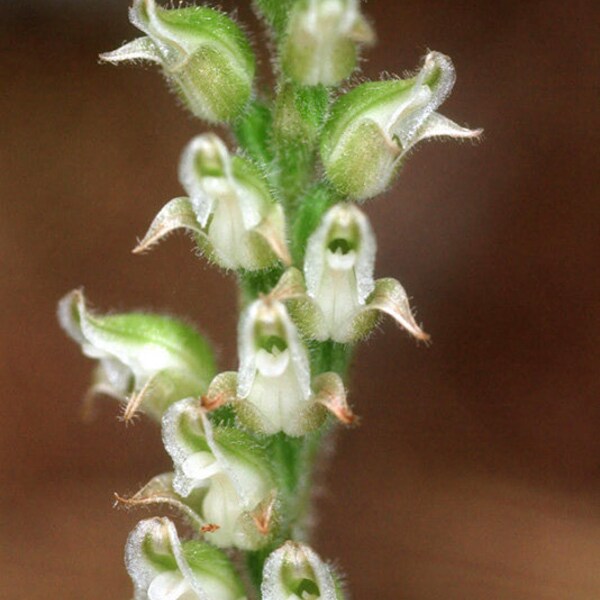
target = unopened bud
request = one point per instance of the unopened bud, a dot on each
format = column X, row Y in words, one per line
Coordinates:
column 322, row 40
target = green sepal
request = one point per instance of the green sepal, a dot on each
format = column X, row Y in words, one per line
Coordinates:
column 322, row 41
column 209, row 561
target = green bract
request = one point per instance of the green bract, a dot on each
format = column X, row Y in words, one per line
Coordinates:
column 372, row 127
column 321, row 41
column 149, row 360
column 163, row 568
column 205, row 56
column 230, row 210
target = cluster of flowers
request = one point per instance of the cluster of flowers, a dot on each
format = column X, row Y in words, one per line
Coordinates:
column 216, row 426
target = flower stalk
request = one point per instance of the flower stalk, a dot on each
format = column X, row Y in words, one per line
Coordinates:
column 276, row 207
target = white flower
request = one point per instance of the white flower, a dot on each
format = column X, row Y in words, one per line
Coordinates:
column 339, row 267
column 274, row 374
column 147, row 360
column 373, row 127
column 226, row 467
column 204, row 55
column 230, row 209
column 273, row 391
column 162, row 568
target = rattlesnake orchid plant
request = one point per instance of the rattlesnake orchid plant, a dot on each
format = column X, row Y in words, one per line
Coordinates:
column 281, row 211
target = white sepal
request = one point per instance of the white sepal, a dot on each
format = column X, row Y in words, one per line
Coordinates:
column 295, row 572
column 389, row 297
column 143, row 49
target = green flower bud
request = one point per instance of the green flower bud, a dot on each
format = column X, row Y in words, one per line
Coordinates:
column 205, row 56
column 146, row 360
column 230, row 209
column 372, row 127
column 339, row 265
column 322, row 39
column 295, row 572
column 164, row 568
column 227, row 469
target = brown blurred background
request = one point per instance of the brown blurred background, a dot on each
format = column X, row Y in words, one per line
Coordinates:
column 476, row 472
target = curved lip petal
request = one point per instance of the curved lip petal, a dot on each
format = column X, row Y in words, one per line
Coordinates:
column 437, row 95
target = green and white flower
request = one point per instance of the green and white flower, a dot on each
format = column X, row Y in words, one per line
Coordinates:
column 148, row 361
column 374, row 126
column 295, row 572
column 164, row 568
column 228, row 472
column 206, row 58
column 322, row 41
column 338, row 269
column 273, row 390
column 229, row 209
